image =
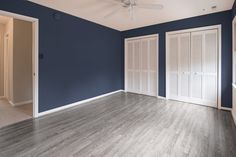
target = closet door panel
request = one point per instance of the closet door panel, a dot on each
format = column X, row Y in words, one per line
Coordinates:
column 136, row 79
column 153, row 84
column 137, row 65
column 136, row 55
column 196, row 87
column 210, row 67
column 184, row 56
column 144, row 82
column 130, row 56
column 130, row 81
column 153, row 66
column 144, row 55
column 184, row 64
column 196, row 52
column 153, row 54
column 210, row 89
column 173, row 66
column 184, row 88
column 173, row 55
column 173, row 83
column 210, row 55
column 196, row 65
column 130, row 64
column 144, row 66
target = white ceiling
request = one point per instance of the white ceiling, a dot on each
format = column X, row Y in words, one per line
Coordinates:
column 95, row 10
column 4, row 20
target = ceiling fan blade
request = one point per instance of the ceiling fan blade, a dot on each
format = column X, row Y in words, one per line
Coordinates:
column 150, row 6
column 113, row 12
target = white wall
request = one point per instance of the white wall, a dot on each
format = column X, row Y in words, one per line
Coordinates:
column 22, row 61
column 2, row 27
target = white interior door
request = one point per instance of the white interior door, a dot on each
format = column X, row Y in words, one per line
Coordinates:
column 141, row 66
column 192, row 67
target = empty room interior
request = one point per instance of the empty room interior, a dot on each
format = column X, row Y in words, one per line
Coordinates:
column 117, row 78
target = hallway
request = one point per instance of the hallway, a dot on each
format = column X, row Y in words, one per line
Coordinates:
column 10, row 115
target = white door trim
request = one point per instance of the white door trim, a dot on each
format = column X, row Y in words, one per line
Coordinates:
column 125, row 58
column 5, row 65
column 35, row 55
column 218, row 27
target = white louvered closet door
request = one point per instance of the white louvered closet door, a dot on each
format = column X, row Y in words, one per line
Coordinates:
column 141, row 66
column 192, row 72
column 210, row 68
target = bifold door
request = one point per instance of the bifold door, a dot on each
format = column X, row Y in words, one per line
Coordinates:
column 141, row 64
column 192, row 67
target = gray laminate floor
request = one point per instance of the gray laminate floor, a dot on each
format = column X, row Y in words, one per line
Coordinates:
column 124, row 125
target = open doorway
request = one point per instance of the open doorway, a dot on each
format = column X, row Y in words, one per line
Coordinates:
column 18, row 69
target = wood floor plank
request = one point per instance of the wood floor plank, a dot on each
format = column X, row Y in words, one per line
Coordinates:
column 124, row 125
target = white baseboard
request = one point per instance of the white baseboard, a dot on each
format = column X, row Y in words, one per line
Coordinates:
column 75, row 104
column 226, row 108
column 234, row 116
column 161, row 97
column 20, row 103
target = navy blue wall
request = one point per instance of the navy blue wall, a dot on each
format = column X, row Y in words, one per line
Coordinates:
column 81, row 59
column 223, row 18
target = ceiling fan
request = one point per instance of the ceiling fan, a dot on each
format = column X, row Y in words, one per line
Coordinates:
column 131, row 5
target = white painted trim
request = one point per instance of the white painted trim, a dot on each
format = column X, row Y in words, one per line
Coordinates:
column 233, row 39
column 125, row 58
column 234, row 86
column 142, row 37
column 218, row 27
column 194, row 29
column 234, row 116
column 35, row 55
column 21, row 103
column 161, row 97
column 76, row 103
column 226, row 108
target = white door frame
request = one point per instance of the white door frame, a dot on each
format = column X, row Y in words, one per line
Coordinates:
column 125, row 58
column 218, row 27
column 6, row 67
column 35, row 51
